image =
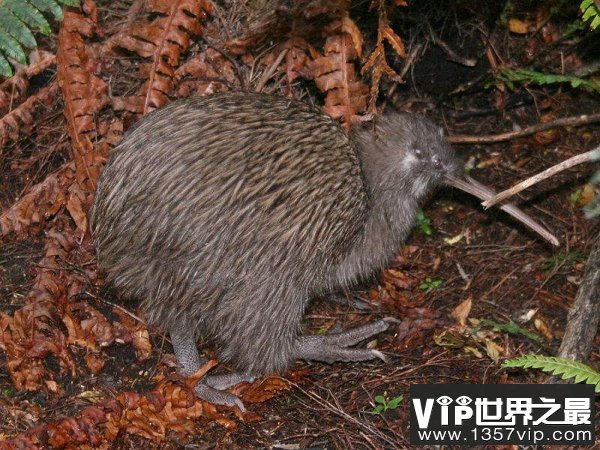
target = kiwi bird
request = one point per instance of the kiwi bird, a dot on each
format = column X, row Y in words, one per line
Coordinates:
column 226, row 214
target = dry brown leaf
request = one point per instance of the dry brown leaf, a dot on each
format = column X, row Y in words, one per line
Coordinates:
column 542, row 326
column 134, row 332
column 347, row 25
column 587, row 195
column 95, row 362
column 394, row 40
column 520, row 26
column 262, row 390
column 205, row 73
column 462, row 311
column 193, row 379
column 16, row 86
column 546, row 137
column 295, row 61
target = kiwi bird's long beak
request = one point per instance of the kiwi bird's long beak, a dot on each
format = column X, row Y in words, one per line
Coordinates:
column 482, row 192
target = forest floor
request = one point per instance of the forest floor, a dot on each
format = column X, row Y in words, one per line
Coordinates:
column 471, row 288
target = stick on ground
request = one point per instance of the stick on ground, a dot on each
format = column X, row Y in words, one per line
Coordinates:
column 574, row 121
column 592, row 155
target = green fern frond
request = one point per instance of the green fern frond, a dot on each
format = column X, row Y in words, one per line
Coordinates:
column 48, row 5
column 11, row 47
column 27, row 14
column 522, row 76
column 18, row 18
column 590, row 13
column 563, row 367
column 17, row 29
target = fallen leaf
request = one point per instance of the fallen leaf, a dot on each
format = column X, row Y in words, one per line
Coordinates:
column 519, row 26
column 461, row 312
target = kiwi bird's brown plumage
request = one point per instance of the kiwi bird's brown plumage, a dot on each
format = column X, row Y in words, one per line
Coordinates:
column 226, row 214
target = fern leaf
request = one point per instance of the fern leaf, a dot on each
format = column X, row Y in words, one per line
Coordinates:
column 591, row 13
column 69, row 2
column 17, row 29
column 4, row 66
column 11, row 47
column 27, row 14
column 563, row 367
column 17, row 20
column 48, row 5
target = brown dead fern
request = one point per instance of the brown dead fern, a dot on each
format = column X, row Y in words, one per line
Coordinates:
column 335, row 73
column 162, row 39
column 85, row 94
column 377, row 61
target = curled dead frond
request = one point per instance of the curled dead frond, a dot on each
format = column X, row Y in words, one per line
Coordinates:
column 16, row 86
column 41, row 202
column 162, row 39
column 376, row 62
column 335, row 74
column 20, row 119
column 205, row 73
column 85, row 94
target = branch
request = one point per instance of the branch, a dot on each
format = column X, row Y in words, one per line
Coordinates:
column 573, row 121
column 575, row 160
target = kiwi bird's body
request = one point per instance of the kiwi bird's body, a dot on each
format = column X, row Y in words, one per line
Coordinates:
column 226, row 214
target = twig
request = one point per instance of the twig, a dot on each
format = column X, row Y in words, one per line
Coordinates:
column 575, row 160
column 228, row 57
column 575, row 121
column 114, row 305
column 270, row 71
column 452, row 56
column 408, row 62
column 336, row 409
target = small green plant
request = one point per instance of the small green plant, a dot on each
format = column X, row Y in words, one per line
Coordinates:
column 512, row 77
column 575, row 196
column 17, row 20
column 563, row 367
column 424, row 223
column 590, row 13
column 430, row 284
column 566, row 260
column 382, row 404
column 511, row 328
column 8, row 392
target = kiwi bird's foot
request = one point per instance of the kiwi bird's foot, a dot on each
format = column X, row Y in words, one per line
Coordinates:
column 210, row 388
column 333, row 347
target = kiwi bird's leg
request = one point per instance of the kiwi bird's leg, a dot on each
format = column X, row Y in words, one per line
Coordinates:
column 333, row 347
column 209, row 388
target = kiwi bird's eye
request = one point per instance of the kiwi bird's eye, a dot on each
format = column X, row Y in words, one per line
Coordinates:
column 437, row 162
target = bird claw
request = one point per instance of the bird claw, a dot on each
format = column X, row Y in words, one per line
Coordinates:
column 334, row 347
column 218, row 397
column 390, row 319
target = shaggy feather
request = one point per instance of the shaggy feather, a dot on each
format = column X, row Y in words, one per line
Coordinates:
column 226, row 214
